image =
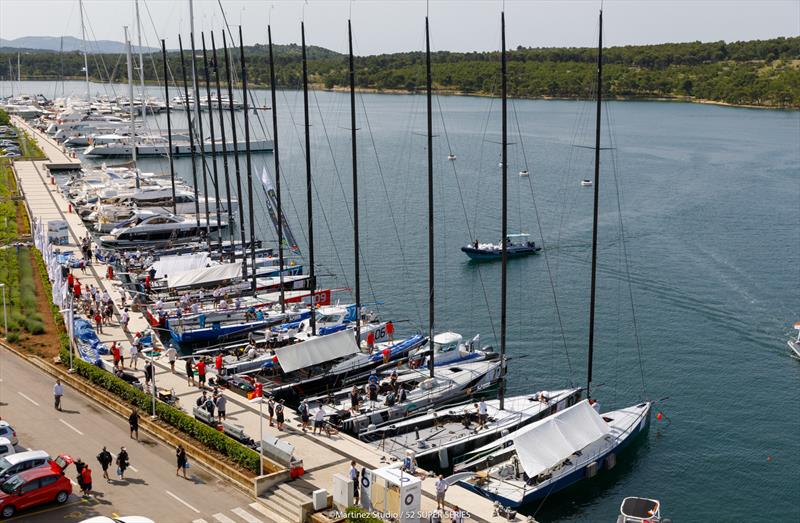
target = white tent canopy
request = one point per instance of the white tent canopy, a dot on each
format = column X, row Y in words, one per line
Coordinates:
column 168, row 265
column 547, row 442
column 205, row 275
column 317, row 350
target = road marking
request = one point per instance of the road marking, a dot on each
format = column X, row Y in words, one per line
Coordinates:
column 70, row 426
column 258, row 507
column 182, row 501
column 199, row 521
column 245, row 515
column 27, row 398
column 222, row 518
column 133, row 468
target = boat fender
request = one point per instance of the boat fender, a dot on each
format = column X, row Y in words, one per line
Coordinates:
column 611, row 461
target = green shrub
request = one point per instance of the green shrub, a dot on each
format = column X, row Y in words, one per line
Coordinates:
column 13, row 337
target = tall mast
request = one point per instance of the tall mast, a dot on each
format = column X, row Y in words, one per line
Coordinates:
column 504, row 227
column 141, row 64
column 169, row 126
column 356, row 256
column 85, row 58
column 251, row 216
column 429, row 88
column 224, row 142
column 213, row 142
column 596, row 204
column 194, row 68
column 201, row 140
column 130, row 102
column 191, row 134
column 235, row 153
column 277, row 164
column 312, row 278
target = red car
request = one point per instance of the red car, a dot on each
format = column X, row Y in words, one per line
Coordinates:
column 33, row 487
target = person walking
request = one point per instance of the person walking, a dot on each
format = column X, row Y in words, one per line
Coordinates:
column 201, row 373
column 221, row 406
column 354, row 478
column 218, row 364
column 279, row 414
column 189, row 372
column 115, row 353
column 58, row 392
column 124, row 319
column 98, row 321
column 133, row 422
column 86, row 481
column 172, row 356
column 183, row 463
column 441, row 489
column 270, row 408
column 304, row 414
column 123, row 462
column 105, row 458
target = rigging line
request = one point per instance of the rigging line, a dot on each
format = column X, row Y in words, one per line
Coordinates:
column 466, row 217
column 484, row 131
column 544, row 250
column 389, row 205
column 626, row 258
column 102, row 60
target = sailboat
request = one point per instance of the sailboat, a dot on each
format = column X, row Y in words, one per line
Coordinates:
column 577, row 443
column 795, row 343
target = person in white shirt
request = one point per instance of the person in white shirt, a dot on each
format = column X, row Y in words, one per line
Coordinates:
column 354, row 478
column 58, row 391
column 319, row 420
column 172, row 356
column 134, row 354
column 195, row 308
column 237, row 303
column 441, row 488
column 482, row 413
column 124, row 319
column 251, row 351
column 457, row 516
column 160, row 304
column 223, row 304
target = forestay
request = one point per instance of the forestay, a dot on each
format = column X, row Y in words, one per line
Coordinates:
column 548, row 442
column 206, row 275
column 167, row 265
column 317, row 350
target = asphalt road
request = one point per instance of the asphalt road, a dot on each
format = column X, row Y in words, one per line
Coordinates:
column 81, row 430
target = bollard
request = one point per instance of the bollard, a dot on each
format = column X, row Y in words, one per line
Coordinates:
column 52, row 180
column 69, row 208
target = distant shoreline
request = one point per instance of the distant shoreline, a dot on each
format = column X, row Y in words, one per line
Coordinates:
column 453, row 92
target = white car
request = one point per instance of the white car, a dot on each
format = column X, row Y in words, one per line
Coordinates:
column 7, row 431
column 123, row 519
column 6, row 448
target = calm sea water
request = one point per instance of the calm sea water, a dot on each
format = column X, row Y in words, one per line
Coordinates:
column 710, row 205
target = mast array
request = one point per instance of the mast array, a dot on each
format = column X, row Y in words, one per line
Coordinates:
column 504, row 206
column 275, row 149
column 431, row 286
column 309, row 203
column 356, row 250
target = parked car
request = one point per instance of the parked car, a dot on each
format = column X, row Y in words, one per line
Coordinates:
column 7, row 431
column 32, row 488
column 6, row 448
column 31, row 459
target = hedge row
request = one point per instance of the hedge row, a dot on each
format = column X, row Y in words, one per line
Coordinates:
column 208, row 436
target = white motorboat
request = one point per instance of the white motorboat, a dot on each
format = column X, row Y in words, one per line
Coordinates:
column 448, row 348
column 159, row 146
column 151, row 229
column 451, row 157
column 586, row 183
column 524, row 173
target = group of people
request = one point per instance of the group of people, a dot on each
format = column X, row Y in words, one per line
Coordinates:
column 105, row 458
column 216, row 404
column 319, row 418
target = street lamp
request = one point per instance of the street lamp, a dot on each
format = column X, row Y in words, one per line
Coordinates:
column 153, row 378
column 259, row 394
column 5, row 315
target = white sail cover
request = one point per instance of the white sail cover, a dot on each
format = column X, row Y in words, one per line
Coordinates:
column 168, row 265
column 317, row 350
column 547, row 442
column 205, row 275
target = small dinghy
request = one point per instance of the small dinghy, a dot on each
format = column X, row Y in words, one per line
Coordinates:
column 516, row 245
column 640, row 510
column 524, row 173
column 451, row 157
column 586, row 183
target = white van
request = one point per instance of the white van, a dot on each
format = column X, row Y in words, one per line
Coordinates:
column 14, row 463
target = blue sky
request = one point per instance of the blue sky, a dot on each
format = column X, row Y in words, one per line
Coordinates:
column 397, row 25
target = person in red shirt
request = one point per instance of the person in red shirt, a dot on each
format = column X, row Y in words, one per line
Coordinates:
column 86, row 481
column 201, row 373
column 70, row 281
column 115, row 353
column 110, row 273
column 98, row 321
column 77, row 290
column 218, row 363
column 147, row 284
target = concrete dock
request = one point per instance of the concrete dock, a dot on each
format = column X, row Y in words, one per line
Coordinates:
column 322, row 456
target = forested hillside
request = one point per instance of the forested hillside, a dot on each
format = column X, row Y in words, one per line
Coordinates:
column 762, row 73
